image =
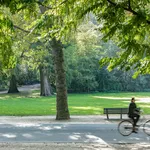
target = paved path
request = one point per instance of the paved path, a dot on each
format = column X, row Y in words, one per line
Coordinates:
column 82, row 132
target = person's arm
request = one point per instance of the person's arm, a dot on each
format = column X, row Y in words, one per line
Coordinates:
column 130, row 109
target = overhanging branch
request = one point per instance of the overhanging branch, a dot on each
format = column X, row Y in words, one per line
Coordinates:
column 26, row 31
column 129, row 9
column 129, row 4
column 40, row 3
column 49, row 7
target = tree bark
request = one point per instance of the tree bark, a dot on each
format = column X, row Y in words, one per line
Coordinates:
column 61, row 87
column 45, row 86
column 13, row 85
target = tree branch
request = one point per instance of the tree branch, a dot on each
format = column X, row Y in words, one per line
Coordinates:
column 40, row 3
column 63, row 2
column 112, row 3
column 26, row 31
column 129, row 9
column 48, row 7
column 129, row 4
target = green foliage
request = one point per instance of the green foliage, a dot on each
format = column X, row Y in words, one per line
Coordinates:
column 81, row 58
column 129, row 27
column 82, row 64
column 6, row 37
column 126, row 22
column 3, row 81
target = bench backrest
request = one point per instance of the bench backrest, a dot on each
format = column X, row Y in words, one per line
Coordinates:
column 115, row 110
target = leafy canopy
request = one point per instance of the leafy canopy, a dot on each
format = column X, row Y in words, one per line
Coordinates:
column 127, row 22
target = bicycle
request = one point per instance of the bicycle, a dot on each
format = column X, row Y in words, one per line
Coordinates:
column 125, row 127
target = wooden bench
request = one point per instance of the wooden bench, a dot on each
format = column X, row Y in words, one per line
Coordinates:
column 120, row 111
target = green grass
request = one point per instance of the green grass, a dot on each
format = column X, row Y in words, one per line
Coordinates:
column 24, row 104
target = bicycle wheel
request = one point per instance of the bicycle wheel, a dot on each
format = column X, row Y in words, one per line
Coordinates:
column 146, row 127
column 125, row 127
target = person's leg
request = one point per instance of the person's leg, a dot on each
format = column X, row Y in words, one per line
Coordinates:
column 136, row 119
column 134, row 123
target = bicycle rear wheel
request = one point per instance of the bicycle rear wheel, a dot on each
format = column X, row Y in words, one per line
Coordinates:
column 125, row 127
column 146, row 127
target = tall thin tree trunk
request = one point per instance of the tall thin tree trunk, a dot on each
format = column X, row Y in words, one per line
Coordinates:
column 61, row 87
column 13, row 85
column 45, row 86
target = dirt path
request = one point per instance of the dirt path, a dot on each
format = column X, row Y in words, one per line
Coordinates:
column 25, row 88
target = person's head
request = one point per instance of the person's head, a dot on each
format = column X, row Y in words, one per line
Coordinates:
column 132, row 99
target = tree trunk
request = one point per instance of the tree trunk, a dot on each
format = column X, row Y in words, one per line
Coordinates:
column 13, row 85
column 61, row 88
column 45, row 86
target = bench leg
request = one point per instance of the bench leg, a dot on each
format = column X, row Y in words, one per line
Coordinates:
column 120, row 116
column 107, row 116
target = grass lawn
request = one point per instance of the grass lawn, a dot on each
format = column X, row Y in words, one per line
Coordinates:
column 24, row 104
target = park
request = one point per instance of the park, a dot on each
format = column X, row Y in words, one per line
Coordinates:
column 68, row 72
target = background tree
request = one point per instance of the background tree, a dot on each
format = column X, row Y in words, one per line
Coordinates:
column 82, row 56
column 42, row 61
column 13, row 84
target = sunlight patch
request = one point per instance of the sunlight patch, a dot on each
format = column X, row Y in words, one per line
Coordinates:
column 45, row 128
column 27, row 135
column 144, row 100
column 116, row 98
column 5, row 97
column 35, row 95
column 50, row 128
column 86, row 108
column 74, row 137
column 144, row 106
column 26, row 125
column 92, row 138
column 9, row 135
column 57, row 127
column 138, row 100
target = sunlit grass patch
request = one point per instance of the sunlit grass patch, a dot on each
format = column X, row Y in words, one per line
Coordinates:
column 112, row 97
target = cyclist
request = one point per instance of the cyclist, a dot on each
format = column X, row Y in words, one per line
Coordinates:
column 134, row 113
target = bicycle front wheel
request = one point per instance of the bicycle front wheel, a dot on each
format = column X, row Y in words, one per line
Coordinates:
column 125, row 127
column 146, row 127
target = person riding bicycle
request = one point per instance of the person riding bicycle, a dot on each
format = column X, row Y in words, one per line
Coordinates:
column 134, row 113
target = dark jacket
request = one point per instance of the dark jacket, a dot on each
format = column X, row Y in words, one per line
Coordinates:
column 132, row 108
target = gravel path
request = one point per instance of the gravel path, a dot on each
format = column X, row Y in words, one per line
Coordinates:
column 72, row 146
column 53, row 146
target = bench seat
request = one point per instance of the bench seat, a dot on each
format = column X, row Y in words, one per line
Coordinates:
column 120, row 111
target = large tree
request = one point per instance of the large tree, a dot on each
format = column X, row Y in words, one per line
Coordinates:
column 42, row 26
